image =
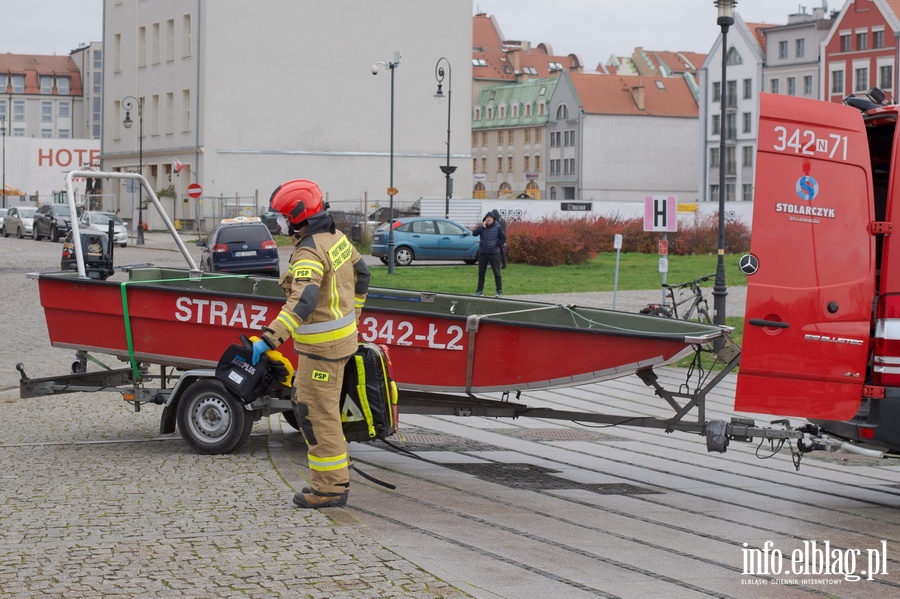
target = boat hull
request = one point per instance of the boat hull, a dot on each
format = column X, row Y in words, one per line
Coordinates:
column 441, row 342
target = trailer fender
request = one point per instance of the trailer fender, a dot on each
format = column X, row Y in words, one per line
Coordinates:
column 167, row 421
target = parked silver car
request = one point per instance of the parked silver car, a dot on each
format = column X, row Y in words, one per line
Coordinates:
column 99, row 221
column 19, row 220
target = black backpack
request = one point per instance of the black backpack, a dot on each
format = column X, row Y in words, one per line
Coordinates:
column 368, row 395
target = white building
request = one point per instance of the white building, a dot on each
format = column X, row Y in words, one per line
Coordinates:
column 744, row 73
column 247, row 98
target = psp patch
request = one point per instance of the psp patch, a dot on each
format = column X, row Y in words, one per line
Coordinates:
column 303, row 274
column 318, row 375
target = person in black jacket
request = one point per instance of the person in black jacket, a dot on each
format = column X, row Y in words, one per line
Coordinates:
column 504, row 249
column 492, row 240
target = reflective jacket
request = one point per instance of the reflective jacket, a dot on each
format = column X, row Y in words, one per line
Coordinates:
column 326, row 286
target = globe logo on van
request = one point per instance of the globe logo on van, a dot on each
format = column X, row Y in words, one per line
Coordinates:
column 807, row 188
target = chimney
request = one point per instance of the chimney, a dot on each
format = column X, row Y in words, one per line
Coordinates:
column 637, row 93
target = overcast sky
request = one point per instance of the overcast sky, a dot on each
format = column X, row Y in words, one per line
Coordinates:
column 593, row 29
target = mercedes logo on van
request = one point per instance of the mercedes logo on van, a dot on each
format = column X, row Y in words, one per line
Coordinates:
column 749, row 264
column 807, row 188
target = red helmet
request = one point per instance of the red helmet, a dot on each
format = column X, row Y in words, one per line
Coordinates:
column 297, row 200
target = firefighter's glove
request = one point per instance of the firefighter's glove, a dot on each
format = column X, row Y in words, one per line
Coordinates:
column 280, row 369
column 260, row 346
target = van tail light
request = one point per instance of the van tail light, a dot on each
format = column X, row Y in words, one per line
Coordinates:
column 865, row 432
column 269, row 245
column 886, row 359
column 219, row 247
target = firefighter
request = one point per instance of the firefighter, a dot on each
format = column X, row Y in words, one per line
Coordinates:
column 326, row 288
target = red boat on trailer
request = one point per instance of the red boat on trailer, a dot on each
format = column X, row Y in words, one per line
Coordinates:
column 445, row 349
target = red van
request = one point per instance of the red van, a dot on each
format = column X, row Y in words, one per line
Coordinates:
column 822, row 323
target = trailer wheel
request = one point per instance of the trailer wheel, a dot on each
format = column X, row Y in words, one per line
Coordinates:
column 211, row 420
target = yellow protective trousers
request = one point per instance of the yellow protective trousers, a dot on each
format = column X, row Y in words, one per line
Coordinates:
column 317, row 397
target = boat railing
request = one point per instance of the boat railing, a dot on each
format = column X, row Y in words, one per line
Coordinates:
column 73, row 207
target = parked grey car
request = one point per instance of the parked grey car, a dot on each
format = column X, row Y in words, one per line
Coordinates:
column 99, row 221
column 18, row 221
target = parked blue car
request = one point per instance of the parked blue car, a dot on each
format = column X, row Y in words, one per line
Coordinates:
column 423, row 238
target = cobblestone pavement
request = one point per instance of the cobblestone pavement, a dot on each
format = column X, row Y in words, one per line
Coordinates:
column 94, row 503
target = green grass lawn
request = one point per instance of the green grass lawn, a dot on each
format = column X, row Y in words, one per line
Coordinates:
column 636, row 271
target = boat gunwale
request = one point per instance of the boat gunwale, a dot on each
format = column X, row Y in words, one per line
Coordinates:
column 706, row 333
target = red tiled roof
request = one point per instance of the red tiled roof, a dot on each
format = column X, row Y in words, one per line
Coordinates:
column 32, row 66
column 615, row 94
column 756, row 31
column 894, row 6
column 507, row 60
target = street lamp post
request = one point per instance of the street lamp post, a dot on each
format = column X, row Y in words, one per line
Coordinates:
column 3, row 133
column 129, row 103
column 720, row 290
column 447, row 170
column 391, row 190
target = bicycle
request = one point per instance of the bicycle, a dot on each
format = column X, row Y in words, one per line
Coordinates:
column 698, row 309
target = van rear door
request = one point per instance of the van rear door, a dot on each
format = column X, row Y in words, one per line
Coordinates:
column 809, row 303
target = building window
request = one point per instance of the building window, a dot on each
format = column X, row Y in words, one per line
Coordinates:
column 562, row 112
column 861, row 79
column 515, row 111
column 542, row 108
column 63, row 134
column 528, row 109
column 510, row 163
column 537, row 136
column 528, row 136
column 170, row 40
column 714, row 157
column 862, row 41
column 732, row 94
column 479, row 62
column 800, row 48
column 716, row 124
column 502, row 111
column 97, row 84
column 729, row 192
column 484, row 164
column 500, row 138
column 527, row 163
column 490, row 113
column 792, row 86
column 186, row 36
column 878, row 39
column 46, row 84
column 511, row 137
column 46, row 133
column 807, row 85
column 748, row 88
column 730, row 161
column 837, row 82
column 713, row 192
column 537, row 164
column 554, row 167
column 554, row 139
column 570, row 137
column 845, row 42
column 773, row 86
column 747, row 192
column 18, row 114
column 142, row 46
column 64, row 110
column 499, row 164
column 886, row 77
column 747, row 118
column 782, row 49
column 484, row 138
column 62, row 86
column 717, row 91
column 46, row 112
column 185, row 110
column 18, row 84
column 730, row 126
column 747, row 156
column 154, row 41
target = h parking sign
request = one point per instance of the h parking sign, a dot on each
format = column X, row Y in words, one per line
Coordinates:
column 660, row 213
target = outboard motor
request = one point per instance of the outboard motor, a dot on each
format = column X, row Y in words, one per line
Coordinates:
column 97, row 252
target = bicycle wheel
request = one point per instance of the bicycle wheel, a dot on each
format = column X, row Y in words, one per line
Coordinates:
column 703, row 315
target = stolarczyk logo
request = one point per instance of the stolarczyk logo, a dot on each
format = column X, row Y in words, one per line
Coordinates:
column 814, row 562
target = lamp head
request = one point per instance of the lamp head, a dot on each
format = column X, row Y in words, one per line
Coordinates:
column 725, row 11
column 127, row 122
column 375, row 69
